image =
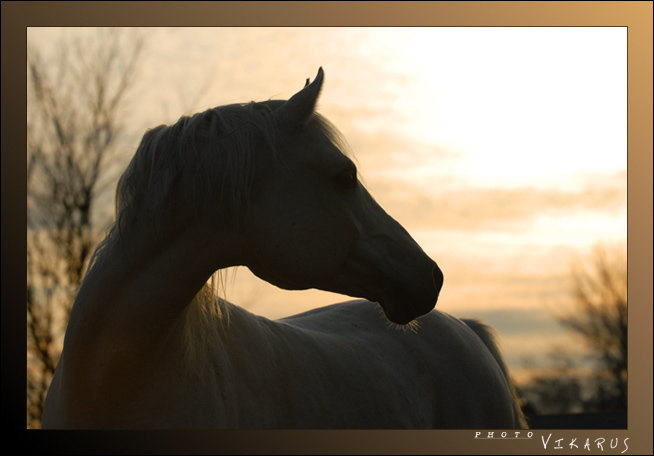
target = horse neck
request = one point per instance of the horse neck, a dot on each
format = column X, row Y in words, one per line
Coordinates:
column 133, row 301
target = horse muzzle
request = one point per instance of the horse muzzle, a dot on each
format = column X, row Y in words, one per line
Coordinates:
column 404, row 303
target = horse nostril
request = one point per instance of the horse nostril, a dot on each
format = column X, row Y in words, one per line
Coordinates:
column 438, row 277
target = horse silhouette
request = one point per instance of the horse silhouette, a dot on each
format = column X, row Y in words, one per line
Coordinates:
column 265, row 185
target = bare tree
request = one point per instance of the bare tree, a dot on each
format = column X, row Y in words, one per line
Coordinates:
column 74, row 121
column 599, row 317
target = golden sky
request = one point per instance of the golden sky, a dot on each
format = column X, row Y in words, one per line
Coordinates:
column 503, row 151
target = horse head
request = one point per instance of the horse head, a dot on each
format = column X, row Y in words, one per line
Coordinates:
column 312, row 224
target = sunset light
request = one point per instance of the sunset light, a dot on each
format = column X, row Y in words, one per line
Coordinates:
column 502, row 151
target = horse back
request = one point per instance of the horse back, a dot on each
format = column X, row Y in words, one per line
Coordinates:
column 448, row 368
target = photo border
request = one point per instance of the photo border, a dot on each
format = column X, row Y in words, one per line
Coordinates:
column 17, row 16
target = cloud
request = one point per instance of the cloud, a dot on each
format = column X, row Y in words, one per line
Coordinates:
column 492, row 208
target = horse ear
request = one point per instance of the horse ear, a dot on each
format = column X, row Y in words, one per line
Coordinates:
column 295, row 112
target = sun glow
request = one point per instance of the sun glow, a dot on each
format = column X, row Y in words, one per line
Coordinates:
column 533, row 106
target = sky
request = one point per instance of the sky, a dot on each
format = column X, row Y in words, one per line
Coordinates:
column 503, row 151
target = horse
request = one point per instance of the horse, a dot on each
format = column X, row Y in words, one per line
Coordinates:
column 267, row 185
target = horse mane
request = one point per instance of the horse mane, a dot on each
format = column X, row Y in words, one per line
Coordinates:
column 201, row 162
column 208, row 157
